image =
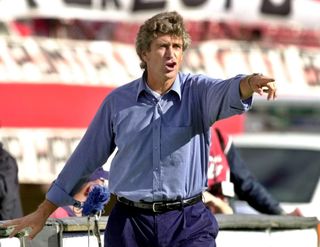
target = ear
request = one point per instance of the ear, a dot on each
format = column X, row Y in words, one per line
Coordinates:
column 144, row 56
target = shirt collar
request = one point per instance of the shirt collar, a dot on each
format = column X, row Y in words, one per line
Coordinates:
column 142, row 85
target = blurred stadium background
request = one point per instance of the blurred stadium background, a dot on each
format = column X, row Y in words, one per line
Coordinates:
column 59, row 59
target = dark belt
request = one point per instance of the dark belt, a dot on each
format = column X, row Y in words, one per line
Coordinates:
column 161, row 206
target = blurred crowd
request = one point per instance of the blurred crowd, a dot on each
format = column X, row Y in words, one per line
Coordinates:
column 125, row 32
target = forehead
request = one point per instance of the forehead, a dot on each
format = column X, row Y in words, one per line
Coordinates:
column 167, row 38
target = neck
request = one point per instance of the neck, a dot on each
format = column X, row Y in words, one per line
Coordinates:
column 159, row 86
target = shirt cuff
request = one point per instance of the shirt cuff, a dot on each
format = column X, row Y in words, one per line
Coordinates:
column 237, row 103
column 59, row 197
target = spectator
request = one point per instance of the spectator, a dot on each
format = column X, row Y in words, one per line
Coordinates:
column 10, row 202
column 228, row 175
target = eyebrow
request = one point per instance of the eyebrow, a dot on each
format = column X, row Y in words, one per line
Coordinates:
column 160, row 42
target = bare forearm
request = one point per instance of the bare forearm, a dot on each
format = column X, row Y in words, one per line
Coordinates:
column 216, row 203
column 46, row 208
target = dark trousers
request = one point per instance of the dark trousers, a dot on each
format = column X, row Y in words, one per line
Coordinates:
column 192, row 226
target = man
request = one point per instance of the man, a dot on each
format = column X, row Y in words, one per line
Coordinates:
column 228, row 175
column 99, row 177
column 10, row 202
column 160, row 125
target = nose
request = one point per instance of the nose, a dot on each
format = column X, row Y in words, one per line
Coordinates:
column 169, row 51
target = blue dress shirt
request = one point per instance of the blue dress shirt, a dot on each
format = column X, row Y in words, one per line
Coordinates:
column 163, row 144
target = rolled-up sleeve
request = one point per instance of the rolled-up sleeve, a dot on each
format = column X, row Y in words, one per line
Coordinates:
column 59, row 197
column 92, row 152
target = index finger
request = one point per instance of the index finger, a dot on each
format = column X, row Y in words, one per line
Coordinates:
column 266, row 79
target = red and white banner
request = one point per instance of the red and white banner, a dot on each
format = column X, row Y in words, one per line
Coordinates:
column 50, row 89
column 299, row 13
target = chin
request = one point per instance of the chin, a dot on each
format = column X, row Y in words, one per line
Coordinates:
column 171, row 74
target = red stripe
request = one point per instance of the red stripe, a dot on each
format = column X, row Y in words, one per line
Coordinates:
column 49, row 105
column 64, row 106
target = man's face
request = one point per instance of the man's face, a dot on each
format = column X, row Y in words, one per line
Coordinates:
column 164, row 58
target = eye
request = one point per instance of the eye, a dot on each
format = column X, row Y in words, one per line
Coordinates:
column 162, row 46
column 177, row 46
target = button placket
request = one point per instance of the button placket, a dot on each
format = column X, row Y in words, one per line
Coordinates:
column 156, row 147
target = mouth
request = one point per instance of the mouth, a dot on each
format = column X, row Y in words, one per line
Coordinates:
column 170, row 65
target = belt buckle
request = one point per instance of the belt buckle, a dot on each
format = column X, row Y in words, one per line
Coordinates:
column 154, row 207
